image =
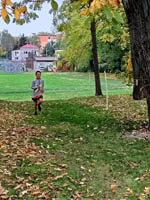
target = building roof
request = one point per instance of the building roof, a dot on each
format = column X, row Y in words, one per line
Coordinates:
column 29, row 46
column 43, row 59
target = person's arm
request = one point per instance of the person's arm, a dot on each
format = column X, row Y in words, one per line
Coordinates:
column 33, row 85
column 42, row 87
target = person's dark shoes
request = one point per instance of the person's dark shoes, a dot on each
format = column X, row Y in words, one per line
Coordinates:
column 39, row 107
column 35, row 113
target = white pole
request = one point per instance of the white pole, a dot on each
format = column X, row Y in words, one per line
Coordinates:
column 106, row 90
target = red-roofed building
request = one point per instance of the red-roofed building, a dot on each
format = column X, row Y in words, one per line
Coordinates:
column 26, row 51
column 29, row 46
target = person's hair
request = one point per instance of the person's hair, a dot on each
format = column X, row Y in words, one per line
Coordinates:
column 37, row 72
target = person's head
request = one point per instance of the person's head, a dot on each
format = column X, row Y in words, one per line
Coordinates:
column 38, row 74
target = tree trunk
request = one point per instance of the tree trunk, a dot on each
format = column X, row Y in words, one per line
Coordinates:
column 95, row 59
column 138, row 16
column 91, row 65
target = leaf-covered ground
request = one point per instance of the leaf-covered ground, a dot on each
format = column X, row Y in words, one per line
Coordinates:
column 74, row 149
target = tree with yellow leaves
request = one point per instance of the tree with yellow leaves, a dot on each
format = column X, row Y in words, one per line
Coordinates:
column 22, row 12
column 91, row 9
column 8, row 5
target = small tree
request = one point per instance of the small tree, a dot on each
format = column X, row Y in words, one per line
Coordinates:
column 22, row 41
column 34, row 39
column 49, row 49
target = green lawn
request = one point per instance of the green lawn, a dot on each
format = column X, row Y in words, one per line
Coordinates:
column 74, row 149
column 16, row 87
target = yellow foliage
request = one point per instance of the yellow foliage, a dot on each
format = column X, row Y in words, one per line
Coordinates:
column 8, row 2
column 23, row 9
column 115, row 3
column 17, row 13
column 3, row 3
column 104, row 2
column 95, row 5
column 4, row 13
column 129, row 67
column 85, row 12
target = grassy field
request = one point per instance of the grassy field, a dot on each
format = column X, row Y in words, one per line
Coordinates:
column 74, row 149
column 16, row 87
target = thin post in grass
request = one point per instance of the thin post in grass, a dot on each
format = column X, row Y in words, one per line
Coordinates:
column 106, row 90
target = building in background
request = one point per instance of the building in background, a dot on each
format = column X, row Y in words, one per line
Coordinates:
column 44, row 39
column 26, row 51
column 44, row 63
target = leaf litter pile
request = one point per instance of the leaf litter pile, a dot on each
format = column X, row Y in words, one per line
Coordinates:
column 57, row 156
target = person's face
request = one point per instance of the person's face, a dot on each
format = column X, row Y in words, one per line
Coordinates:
column 38, row 75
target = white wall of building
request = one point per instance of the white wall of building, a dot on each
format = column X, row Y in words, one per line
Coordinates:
column 23, row 53
column 16, row 55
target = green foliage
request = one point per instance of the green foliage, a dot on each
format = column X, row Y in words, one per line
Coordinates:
column 111, row 56
column 77, row 43
column 112, row 38
column 22, row 40
column 49, row 49
column 7, row 41
column 54, row 5
column 34, row 39
column 83, row 68
column 3, row 53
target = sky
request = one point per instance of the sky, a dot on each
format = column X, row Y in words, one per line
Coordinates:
column 41, row 24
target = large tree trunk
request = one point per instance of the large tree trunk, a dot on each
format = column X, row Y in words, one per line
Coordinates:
column 138, row 15
column 95, row 59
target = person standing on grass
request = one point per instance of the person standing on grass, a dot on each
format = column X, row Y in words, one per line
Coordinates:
column 38, row 90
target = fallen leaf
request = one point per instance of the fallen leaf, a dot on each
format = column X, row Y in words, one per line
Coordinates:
column 4, row 196
column 130, row 192
column 43, row 127
column 147, row 147
column 113, row 186
column 36, row 192
column 147, row 190
column 58, row 169
column 65, row 185
column 84, row 180
column 61, row 176
column 141, row 198
column 49, row 179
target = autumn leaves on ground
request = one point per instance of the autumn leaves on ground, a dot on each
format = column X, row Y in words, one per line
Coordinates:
column 74, row 149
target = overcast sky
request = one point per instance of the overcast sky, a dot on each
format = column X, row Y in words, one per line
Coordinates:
column 43, row 23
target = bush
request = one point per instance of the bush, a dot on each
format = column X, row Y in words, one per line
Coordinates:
column 111, row 56
column 84, row 68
